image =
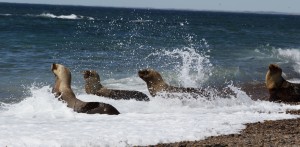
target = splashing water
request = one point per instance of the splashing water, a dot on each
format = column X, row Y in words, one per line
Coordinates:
column 192, row 68
column 292, row 55
column 191, row 62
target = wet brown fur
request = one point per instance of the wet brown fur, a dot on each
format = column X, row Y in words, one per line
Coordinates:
column 93, row 86
column 156, row 84
column 279, row 88
column 63, row 90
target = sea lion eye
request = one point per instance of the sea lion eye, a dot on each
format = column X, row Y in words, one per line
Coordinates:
column 146, row 72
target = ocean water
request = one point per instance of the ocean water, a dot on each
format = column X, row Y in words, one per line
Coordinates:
column 190, row 49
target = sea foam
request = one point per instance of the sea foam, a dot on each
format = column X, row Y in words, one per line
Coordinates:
column 42, row 120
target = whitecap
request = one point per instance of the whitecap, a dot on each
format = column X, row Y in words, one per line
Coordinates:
column 140, row 20
column 49, row 15
column 5, row 14
column 71, row 16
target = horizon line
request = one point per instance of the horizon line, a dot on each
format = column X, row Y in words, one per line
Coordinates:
column 163, row 9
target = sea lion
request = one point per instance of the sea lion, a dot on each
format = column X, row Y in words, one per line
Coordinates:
column 93, row 86
column 156, row 84
column 279, row 88
column 62, row 89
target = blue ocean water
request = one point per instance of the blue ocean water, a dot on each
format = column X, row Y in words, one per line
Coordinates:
column 189, row 48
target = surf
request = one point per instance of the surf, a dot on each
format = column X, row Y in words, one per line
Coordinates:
column 41, row 120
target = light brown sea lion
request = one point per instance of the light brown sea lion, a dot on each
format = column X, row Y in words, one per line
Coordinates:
column 279, row 88
column 93, row 86
column 63, row 90
column 156, row 84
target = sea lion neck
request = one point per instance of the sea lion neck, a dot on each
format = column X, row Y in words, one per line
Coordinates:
column 65, row 80
column 91, row 77
column 156, row 85
column 62, row 75
column 92, row 85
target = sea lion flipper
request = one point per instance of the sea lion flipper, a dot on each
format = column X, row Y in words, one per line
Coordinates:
column 142, row 97
column 102, row 108
column 57, row 94
column 88, row 106
column 127, row 94
column 296, row 89
column 273, row 96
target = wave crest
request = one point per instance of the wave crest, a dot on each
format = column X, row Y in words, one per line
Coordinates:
column 292, row 55
column 50, row 15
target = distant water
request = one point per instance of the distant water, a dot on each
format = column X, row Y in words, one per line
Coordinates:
column 190, row 49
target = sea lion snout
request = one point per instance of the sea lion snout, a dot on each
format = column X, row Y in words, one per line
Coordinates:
column 144, row 72
column 272, row 66
column 90, row 73
column 53, row 66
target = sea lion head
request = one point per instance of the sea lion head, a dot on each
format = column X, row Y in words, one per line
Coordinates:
column 61, row 72
column 150, row 75
column 275, row 70
column 92, row 81
column 91, row 74
column 153, row 79
column 273, row 77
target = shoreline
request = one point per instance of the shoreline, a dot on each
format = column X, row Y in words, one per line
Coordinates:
column 283, row 132
column 267, row 133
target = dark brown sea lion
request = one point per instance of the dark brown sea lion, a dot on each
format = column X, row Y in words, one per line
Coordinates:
column 279, row 88
column 93, row 86
column 63, row 90
column 156, row 84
